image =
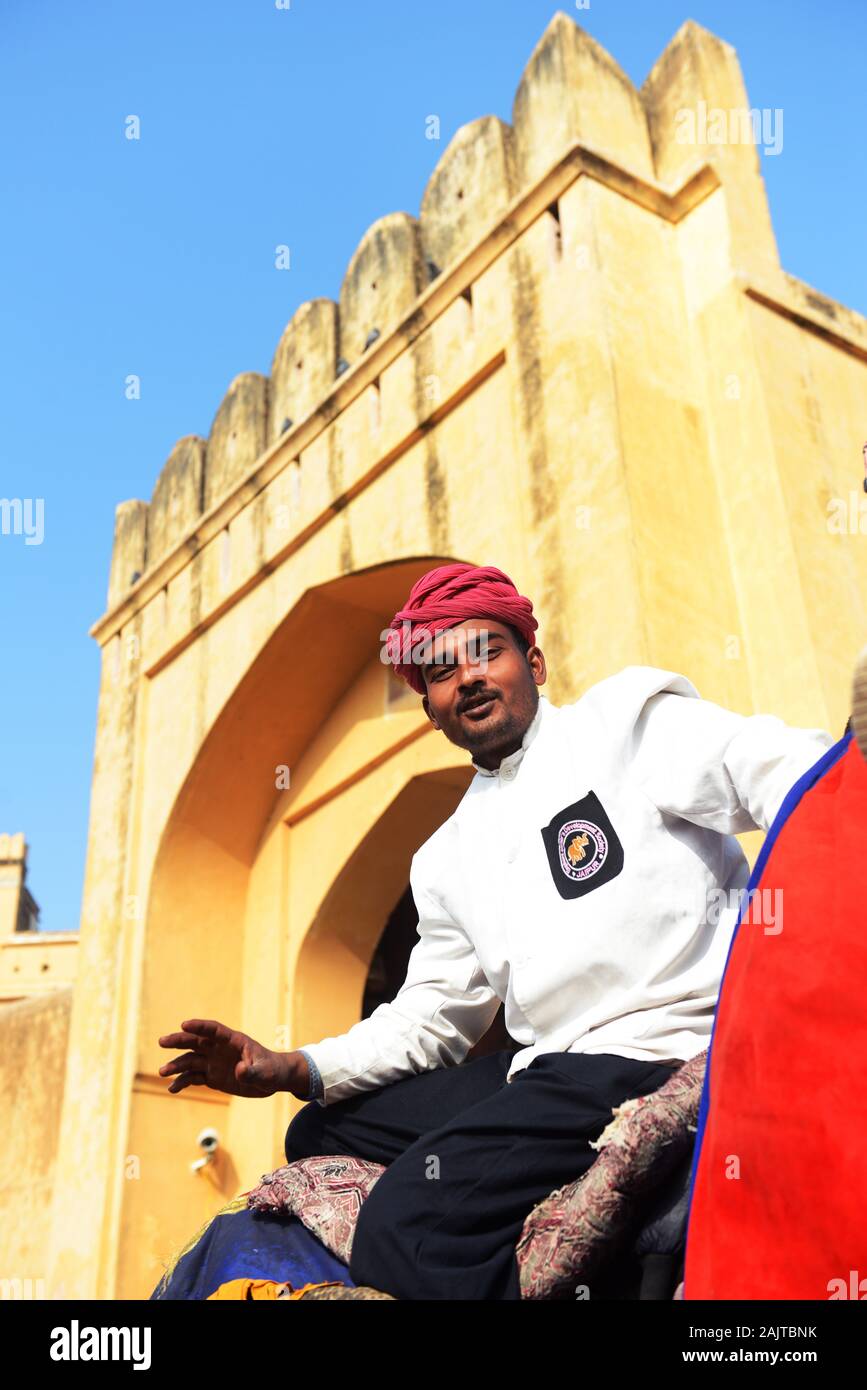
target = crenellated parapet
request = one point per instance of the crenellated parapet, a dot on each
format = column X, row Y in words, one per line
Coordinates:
column 383, row 280
column 573, row 103
column 698, row 111
column 177, row 497
column 238, row 435
column 304, row 365
column 129, row 553
column 473, row 184
column 572, row 92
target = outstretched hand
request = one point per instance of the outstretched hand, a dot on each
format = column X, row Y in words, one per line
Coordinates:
column 229, row 1061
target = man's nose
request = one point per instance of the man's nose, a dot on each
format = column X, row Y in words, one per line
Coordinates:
column 472, row 671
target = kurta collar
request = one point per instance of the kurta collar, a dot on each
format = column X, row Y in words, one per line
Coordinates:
column 510, row 762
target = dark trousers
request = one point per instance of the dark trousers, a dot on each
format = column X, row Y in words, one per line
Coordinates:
column 468, row 1156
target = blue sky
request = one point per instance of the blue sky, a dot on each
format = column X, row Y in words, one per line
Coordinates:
column 262, row 126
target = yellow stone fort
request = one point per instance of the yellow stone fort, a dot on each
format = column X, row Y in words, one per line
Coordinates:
column 582, row 362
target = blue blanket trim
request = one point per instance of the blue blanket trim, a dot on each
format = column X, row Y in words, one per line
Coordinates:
column 248, row 1244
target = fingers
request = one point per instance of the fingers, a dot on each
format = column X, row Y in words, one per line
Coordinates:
column 186, row 1040
column 189, row 1078
column 207, row 1028
column 191, row 1061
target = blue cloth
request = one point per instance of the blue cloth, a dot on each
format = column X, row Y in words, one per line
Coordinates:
column 247, row 1244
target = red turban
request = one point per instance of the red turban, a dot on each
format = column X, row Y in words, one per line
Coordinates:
column 444, row 597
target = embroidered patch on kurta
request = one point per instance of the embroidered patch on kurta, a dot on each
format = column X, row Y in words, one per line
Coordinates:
column 582, row 847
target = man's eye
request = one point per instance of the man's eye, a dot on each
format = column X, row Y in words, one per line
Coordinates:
column 447, row 669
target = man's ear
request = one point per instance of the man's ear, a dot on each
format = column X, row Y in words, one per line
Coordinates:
column 426, row 704
column 536, row 662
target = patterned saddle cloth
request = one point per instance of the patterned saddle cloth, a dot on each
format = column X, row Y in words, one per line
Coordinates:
column 567, row 1236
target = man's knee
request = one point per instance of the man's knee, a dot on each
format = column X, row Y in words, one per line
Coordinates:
column 391, row 1226
column 376, row 1245
column 304, row 1135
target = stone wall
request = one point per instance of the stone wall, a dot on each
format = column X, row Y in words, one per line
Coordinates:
column 34, row 1036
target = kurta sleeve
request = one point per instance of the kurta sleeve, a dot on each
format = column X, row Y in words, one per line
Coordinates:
column 444, row 1006
column 724, row 771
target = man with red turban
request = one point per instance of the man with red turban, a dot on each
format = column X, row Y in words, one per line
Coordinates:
column 589, row 878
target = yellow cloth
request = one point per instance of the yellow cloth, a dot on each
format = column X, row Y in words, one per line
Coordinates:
column 262, row 1288
column 247, row 1288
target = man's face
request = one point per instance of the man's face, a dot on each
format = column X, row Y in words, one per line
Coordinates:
column 481, row 688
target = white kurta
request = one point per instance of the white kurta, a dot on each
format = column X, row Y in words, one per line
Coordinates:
column 592, row 882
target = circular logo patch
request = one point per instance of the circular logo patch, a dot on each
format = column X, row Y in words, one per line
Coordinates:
column 583, row 849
